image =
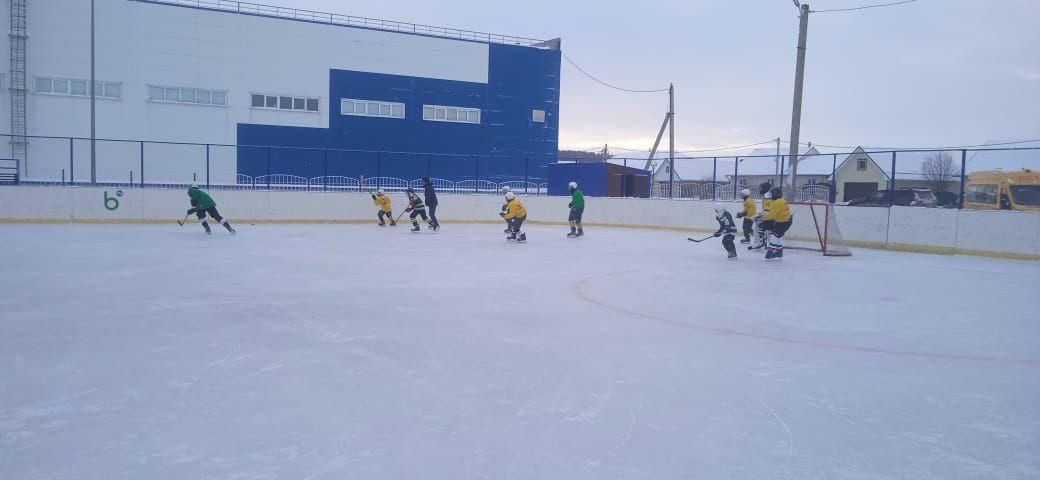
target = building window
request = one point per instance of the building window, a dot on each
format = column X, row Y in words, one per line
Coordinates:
column 282, row 102
column 77, row 87
column 538, row 116
column 861, row 165
column 437, row 113
column 197, row 96
column 371, row 108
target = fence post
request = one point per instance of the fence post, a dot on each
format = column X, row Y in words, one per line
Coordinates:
column 63, row 176
column 476, row 174
column 733, row 184
column 131, row 178
column 964, row 169
column 782, row 159
column 324, row 169
column 268, row 168
column 526, row 176
column 72, row 164
column 714, row 178
column 834, row 178
column 379, row 168
column 141, row 157
column 892, row 184
column 207, row 165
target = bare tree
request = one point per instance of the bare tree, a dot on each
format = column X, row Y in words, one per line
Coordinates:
column 938, row 169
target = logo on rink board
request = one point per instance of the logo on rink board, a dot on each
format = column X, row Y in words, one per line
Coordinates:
column 112, row 203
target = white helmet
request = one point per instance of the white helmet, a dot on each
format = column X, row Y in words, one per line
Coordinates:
column 379, row 191
column 767, row 195
column 505, row 188
column 745, row 193
column 572, row 185
column 719, row 209
column 193, row 185
column 510, row 196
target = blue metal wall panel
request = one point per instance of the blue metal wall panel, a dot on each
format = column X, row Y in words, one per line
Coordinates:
column 591, row 178
column 507, row 142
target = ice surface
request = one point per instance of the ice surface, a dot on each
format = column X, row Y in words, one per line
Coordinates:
column 353, row 352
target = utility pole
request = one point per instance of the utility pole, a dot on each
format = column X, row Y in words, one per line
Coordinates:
column 93, row 103
column 799, row 77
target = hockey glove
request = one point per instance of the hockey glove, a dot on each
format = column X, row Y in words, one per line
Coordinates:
column 191, row 211
column 717, row 234
column 373, row 196
column 570, row 205
column 502, row 214
column 740, row 214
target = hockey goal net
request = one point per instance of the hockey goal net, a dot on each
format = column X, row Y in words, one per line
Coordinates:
column 816, row 228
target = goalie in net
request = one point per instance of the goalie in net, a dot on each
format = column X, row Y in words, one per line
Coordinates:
column 816, row 228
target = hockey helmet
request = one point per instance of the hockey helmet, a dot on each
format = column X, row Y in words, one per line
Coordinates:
column 379, row 192
column 775, row 192
column 745, row 193
column 719, row 210
column 764, row 187
column 510, row 196
column 505, row 188
column 572, row 185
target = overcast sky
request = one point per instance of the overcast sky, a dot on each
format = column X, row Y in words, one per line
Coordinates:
column 929, row 73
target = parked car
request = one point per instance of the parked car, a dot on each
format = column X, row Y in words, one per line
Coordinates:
column 947, row 199
column 902, row 197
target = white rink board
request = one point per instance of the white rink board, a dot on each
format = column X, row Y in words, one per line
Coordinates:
column 989, row 233
column 353, row 351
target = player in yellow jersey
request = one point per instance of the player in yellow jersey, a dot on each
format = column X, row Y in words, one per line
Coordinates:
column 777, row 220
column 383, row 202
column 515, row 214
column 759, row 233
column 747, row 211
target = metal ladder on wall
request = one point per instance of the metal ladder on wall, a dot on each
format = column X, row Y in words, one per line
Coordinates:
column 18, row 36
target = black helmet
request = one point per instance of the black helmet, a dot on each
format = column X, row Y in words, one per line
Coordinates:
column 776, row 193
column 409, row 190
column 764, row 187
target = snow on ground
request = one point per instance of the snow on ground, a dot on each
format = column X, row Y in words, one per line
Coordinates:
column 333, row 352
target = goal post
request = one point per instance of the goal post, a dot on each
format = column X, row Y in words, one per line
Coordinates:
column 815, row 228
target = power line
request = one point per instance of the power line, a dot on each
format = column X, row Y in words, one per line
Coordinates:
column 954, row 147
column 864, row 7
column 771, row 140
column 601, row 82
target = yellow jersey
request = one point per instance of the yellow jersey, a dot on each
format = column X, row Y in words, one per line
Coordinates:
column 749, row 207
column 778, row 211
column 515, row 209
column 383, row 202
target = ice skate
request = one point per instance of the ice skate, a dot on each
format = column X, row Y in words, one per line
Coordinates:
column 522, row 238
column 732, row 255
column 511, row 237
column 415, row 228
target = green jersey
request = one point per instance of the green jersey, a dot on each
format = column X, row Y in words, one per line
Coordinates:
column 200, row 199
column 577, row 199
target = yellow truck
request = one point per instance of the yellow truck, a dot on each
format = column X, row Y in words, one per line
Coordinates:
column 1001, row 190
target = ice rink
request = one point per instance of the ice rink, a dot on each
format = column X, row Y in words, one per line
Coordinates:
column 354, row 352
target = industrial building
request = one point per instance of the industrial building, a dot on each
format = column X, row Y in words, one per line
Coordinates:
column 196, row 88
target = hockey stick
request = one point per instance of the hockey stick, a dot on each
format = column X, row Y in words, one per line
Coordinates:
column 694, row 240
column 182, row 222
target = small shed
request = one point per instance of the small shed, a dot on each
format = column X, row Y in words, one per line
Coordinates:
column 599, row 179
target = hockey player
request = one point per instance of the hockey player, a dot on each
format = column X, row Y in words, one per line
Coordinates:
column 383, row 202
column 747, row 212
column 505, row 206
column 431, row 202
column 727, row 230
column 515, row 215
column 577, row 207
column 202, row 204
column 760, row 234
column 776, row 221
column 418, row 209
